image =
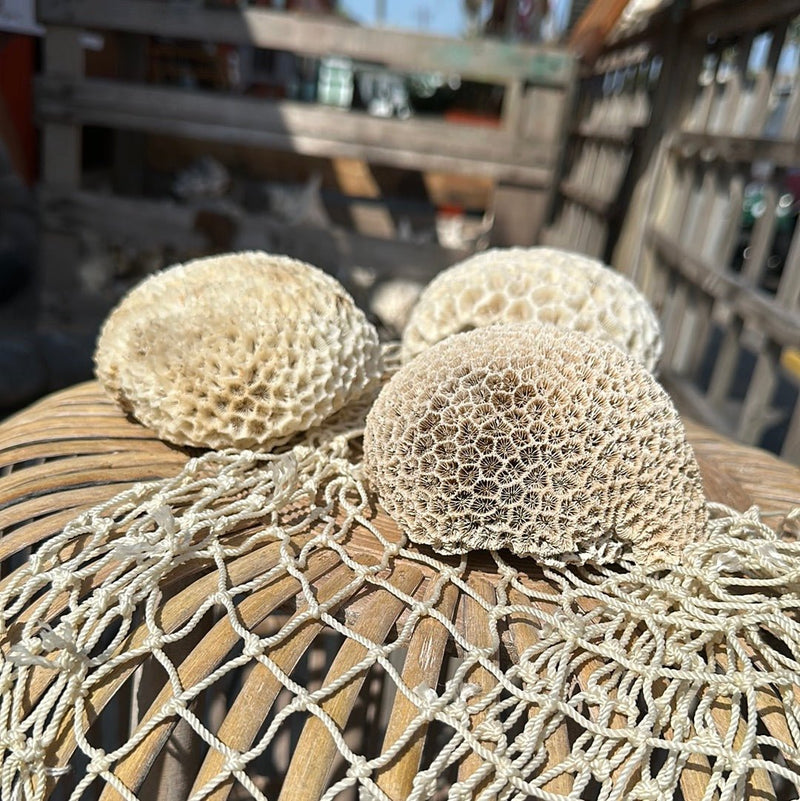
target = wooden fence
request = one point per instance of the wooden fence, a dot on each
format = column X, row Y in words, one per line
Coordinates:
column 520, row 155
column 710, row 195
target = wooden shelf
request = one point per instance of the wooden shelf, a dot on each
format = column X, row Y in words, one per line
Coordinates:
column 302, row 128
column 142, row 222
column 486, row 60
column 734, row 149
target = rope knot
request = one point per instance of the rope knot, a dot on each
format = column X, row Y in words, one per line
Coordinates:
column 101, row 762
column 235, row 762
column 62, row 579
column 359, row 769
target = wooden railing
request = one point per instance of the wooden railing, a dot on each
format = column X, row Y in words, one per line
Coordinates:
column 722, row 133
column 520, row 154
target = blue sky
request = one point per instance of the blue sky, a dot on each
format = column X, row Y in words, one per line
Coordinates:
column 445, row 17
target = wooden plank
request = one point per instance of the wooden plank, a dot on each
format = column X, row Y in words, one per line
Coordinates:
column 595, row 24
column 302, row 128
column 512, row 106
column 621, row 135
column 735, row 149
column 779, row 323
column 313, row 759
column 724, row 370
column 61, row 167
column 679, row 320
column 788, row 294
column 602, row 207
column 140, row 222
column 723, row 19
column 518, row 215
column 129, row 147
column 755, row 258
column 485, row 59
column 790, row 450
column 61, row 142
column 762, row 385
column 542, row 114
column 718, row 251
column 762, row 84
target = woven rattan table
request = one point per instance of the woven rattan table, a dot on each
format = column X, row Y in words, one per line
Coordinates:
column 75, row 450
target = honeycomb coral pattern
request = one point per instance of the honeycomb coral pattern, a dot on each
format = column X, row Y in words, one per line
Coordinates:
column 243, row 350
column 537, row 439
column 538, row 284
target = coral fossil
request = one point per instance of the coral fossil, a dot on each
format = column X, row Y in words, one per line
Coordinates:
column 243, row 350
column 537, row 439
column 537, row 284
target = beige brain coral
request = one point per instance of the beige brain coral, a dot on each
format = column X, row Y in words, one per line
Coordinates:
column 537, row 284
column 242, row 350
column 537, row 439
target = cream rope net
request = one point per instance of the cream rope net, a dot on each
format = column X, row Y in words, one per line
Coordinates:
column 498, row 679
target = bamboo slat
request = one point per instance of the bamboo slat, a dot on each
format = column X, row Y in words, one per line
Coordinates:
column 56, row 472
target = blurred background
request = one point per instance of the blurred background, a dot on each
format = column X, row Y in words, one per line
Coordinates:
column 266, row 171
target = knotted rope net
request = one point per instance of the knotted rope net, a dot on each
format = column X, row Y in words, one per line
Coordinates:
column 481, row 676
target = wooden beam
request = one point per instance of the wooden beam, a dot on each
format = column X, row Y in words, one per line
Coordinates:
column 602, row 207
column 488, row 60
column 736, row 149
column 621, row 135
column 157, row 223
column 301, row 128
column 593, row 28
column 727, row 18
column 780, row 324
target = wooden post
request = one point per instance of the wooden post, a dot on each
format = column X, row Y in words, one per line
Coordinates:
column 61, row 165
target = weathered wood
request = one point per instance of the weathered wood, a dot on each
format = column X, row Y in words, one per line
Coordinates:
column 781, row 324
column 61, row 165
column 125, row 221
column 518, row 215
column 314, row 756
column 421, row 671
column 486, row 59
column 724, row 19
column 595, row 24
column 601, row 206
column 713, row 146
column 311, row 130
column 762, row 385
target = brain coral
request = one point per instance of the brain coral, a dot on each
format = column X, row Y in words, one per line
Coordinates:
column 242, row 350
column 538, row 284
column 538, row 439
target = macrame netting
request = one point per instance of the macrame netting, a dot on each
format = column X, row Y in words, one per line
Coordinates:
column 495, row 678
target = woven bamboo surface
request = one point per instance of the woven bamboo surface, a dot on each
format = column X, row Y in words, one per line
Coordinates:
column 109, row 452
column 74, row 449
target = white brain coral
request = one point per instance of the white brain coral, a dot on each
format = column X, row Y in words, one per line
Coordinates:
column 537, row 439
column 243, row 350
column 537, row 284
